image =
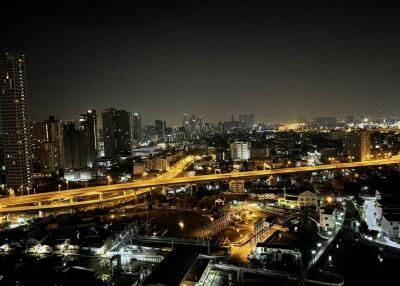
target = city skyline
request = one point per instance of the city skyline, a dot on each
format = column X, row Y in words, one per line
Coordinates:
column 213, row 60
column 199, row 143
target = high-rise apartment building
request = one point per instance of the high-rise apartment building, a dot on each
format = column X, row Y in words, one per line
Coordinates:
column 88, row 133
column 72, row 140
column 246, row 121
column 357, row 145
column 193, row 125
column 47, row 145
column 240, row 151
column 116, row 133
column 15, row 121
column 159, row 126
column 137, row 127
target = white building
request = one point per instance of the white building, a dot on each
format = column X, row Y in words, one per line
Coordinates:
column 313, row 158
column 240, row 151
column 275, row 252
column 390, row 224
column 327, row 217
column 304, row 199
column 85, row 174
column 308, row 199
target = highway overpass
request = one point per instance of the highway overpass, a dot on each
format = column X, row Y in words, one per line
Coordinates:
column 97, row 195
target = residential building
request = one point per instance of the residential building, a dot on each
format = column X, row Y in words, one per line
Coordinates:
column 240, row 151
column 263, row 223
column 47, row 145
column 327, row 217
column 357, row 145
column 301, row 200
column 390, row 224
column 88, row 133
column 116, row 133
column 246, row 121
column 236, row 186
column 15, row 122
column 276, row 253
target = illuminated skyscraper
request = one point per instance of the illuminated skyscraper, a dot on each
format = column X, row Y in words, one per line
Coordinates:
column 15, row 121
column 192, row 125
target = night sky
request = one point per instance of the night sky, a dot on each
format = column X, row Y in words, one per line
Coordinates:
column 279, row 61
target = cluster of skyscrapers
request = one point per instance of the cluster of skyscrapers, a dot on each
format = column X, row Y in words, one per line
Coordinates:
column 50, row 145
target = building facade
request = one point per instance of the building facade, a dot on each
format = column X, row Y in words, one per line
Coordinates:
column 137, row 127
column 47, row 145
column 240, row 151
column 116, row 133
column 159, row 126
column 88, row 137
column 15, row 122
column 357, row 145
column 327, row 217
column 236, row 186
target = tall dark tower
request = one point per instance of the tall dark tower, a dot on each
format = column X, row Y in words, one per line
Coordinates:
column 88, row 128
column 15, row 121
column 137, row 126
column 116, row 133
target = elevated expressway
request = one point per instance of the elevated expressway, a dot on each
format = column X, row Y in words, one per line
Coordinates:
column 119, row 192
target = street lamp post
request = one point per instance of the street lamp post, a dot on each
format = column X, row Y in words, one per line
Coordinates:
column 67, row 183
column 59, row 187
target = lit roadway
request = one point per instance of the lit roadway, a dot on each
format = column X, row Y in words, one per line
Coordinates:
column 120, row 192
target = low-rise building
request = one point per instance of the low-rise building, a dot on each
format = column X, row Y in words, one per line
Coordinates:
column 289, row 201
column 236, row 186
column 304, row 199
column 262, row 223
column 308, row 199
column 85, row 174
column 276, row 252
column 191, row 173
column 390, row 224
column 267, row 196
column 387, row 211
column 327, row 217
column 138, row 169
